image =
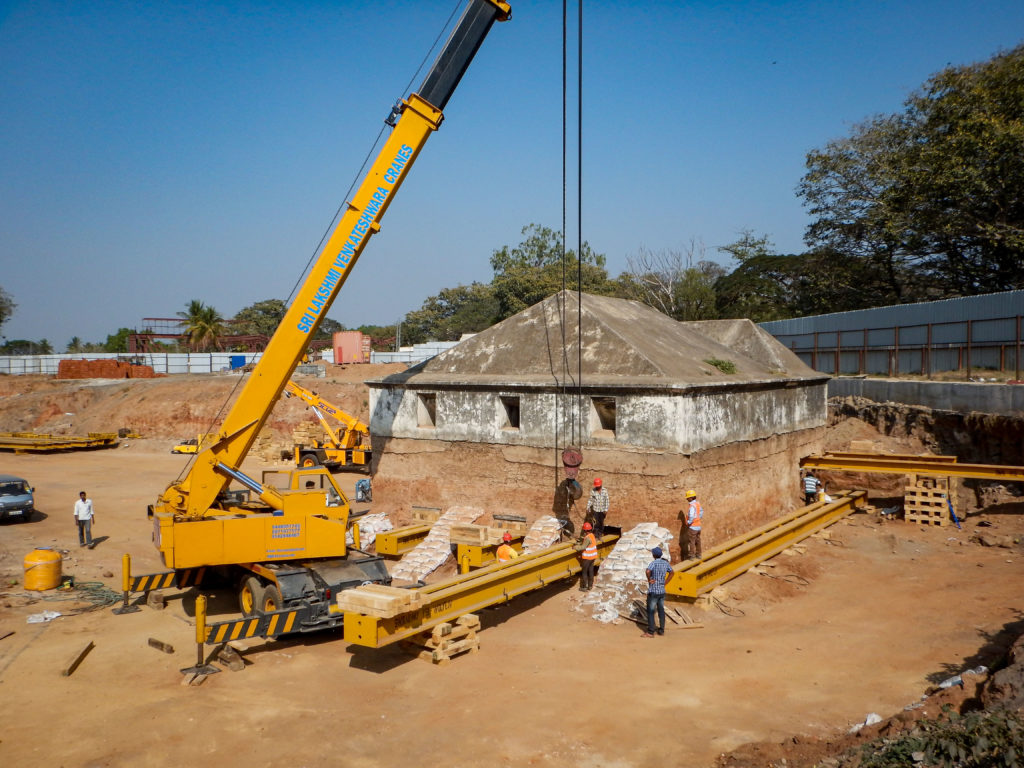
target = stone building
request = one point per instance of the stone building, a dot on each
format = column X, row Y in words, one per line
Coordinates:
column 655, row 405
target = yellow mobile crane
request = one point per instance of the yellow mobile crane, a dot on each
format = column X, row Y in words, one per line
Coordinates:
column 345, row 448
column 282, row 538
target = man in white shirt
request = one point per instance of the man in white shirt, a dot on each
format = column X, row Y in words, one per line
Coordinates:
column 84, row 516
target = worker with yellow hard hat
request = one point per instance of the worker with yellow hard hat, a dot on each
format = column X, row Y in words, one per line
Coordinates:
column 505, row 551
column 693, row 520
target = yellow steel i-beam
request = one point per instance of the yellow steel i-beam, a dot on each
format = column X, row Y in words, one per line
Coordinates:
column 398, row 541
column 920, row 465
column 737, row 555
column 492, row 585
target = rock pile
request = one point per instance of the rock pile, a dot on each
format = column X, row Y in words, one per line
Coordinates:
column 369, row 527
column 432, row 552
column 544, row 532
column 621, row 576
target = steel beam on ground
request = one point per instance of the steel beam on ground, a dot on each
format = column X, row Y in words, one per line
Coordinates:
column 736, row 556
column 471, row 592
column 23, row 442
column 921, row 465
column 398, row 541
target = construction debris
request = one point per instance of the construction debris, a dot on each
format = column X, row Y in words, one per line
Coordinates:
column 77, row 659
column 622, row 575
column 433, row 551
column 160, row 645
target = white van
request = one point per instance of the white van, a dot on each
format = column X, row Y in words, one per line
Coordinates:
column 16, row 501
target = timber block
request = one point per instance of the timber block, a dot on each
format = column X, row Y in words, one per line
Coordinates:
column 379, row 600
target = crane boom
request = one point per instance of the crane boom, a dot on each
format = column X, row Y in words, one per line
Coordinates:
column 197, row 498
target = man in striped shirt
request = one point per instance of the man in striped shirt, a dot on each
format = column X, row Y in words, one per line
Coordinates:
column 658, row 573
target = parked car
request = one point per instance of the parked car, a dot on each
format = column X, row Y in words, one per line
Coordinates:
column 16, row 500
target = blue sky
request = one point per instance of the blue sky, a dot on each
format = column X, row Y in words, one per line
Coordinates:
column 152, row 153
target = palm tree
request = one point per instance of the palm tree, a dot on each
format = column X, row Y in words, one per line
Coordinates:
column 203, row 325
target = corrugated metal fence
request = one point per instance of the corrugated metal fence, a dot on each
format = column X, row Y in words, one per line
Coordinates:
column 179, row 362
column 964, row 334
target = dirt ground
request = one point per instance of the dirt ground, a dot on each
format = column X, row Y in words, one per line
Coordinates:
column 864, row 621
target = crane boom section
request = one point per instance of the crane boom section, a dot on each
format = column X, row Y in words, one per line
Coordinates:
column 196, row 494
column 355, row 430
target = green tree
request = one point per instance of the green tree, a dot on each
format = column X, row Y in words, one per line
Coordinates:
column 533, row 270
column 7, row 306
column 75, row 345
column 451, row 313
column 203, row 325
column 670, row 282
column 930, row 201
column 261, row 318
column 118, row 342
column 382, row 337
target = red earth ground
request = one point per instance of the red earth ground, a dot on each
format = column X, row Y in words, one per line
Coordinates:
column 862, row 621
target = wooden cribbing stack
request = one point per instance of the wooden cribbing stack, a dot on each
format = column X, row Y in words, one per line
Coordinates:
column 927, row 499
column 446, row 640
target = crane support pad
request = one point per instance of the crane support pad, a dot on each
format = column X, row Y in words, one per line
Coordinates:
column 942, row 466
column 183, row 578
column 736, row 556
column 447, row 600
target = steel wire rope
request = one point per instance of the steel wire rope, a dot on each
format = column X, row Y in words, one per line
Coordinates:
column 330, row 227
column 735, row 612
column 579, row 219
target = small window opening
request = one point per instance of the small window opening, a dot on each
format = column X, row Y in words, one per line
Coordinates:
column 510, row 412
column 426, row 410
column 602, row 416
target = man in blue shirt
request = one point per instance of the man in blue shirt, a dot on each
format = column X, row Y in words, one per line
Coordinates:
column 658, row 573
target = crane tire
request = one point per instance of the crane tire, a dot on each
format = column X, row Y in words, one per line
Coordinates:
column 249, row 592
column 309, row 460
column 269, row 599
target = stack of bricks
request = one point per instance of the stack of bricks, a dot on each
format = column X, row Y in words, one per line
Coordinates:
column 102, row 369
column 369, row 527
column 544, row 532
column 622, row 575
column 433, row 551
column 927, row 499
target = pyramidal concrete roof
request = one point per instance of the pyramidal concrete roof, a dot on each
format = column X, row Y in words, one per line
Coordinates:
column 625, row 344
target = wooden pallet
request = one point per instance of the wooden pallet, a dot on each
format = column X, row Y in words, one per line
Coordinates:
column 446, row 640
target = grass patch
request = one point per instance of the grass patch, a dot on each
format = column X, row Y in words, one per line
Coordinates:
column 725, row 366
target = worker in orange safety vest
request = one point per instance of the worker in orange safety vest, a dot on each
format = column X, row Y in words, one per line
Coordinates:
column 588, row 557
column 505, row 551
column 692, row 524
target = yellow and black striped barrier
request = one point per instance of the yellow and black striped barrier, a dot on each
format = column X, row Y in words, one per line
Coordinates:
column 180, row 579
column 263, row 625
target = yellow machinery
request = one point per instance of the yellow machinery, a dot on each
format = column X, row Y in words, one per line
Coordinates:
column 939, row 466
column 33, row 442
column 736, row 556
column 284, row 535
column 349, row 447
column 192, row 445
